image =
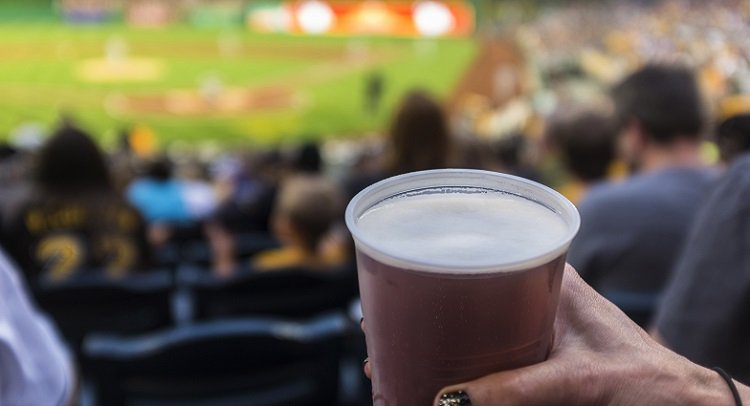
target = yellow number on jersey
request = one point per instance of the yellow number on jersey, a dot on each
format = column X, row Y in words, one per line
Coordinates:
column 61, row 255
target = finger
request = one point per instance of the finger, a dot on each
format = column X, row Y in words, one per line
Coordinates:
column 367, row 368
column 537, row 384
column 362, row 324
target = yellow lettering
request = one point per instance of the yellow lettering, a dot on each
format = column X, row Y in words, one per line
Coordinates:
column 35, row 221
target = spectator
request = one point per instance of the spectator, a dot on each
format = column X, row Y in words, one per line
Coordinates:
column 704, row 315
column 197, row 191
column 306, row 210
column 418, row 139
column 14, row 172
column 34, row 367
column 250, row 207
column 733, row 137
column 374, row 87
column 73, row 219
column 512, row 153
column 251, row 191
column 158, row 196
column 307, row 159
column 586, row 143
column 631, row 231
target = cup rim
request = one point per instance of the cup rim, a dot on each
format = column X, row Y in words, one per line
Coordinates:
column 389, row 187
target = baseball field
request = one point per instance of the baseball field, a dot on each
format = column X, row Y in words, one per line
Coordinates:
column 224, row 86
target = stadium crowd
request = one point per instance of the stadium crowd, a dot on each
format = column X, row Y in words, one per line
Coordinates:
column 663, row 232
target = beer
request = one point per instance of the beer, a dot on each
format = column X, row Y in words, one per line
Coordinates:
column 459, row 274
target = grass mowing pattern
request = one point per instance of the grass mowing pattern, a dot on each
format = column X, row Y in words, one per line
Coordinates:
column 40, row 64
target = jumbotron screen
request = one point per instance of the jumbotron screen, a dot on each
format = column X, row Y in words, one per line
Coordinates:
column 398, row 18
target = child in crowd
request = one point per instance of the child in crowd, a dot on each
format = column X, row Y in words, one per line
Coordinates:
column 305, row 213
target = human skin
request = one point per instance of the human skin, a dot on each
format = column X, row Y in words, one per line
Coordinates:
column 599, row 357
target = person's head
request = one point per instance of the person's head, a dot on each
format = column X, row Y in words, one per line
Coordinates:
column 509, row 151
column 419, row 138
column 657, row 106
column 586, row 142
column 7, row 151
column 159, row 169
column 307, row 158
column 306, row 208
column 70, row 162
column 733, row 137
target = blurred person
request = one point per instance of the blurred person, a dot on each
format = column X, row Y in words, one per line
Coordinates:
column 161, row 201
column 198, row 191
column 733, row 137
column 157, row 195
column 307, row 159
column 305, row 213
column 473, row 152
column 374, row 87
column 511, row 153
column 35, row 368
column 418, row 139
column 585, row 141
column 174, row 207
column 704, row 314
column 14, row 174
column 250, row 205
column 251, row 191
column 631, row 232
column 73, row 219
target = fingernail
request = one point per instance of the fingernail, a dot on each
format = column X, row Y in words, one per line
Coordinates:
column 366, row 361
column 361, row 319
column 455, row 399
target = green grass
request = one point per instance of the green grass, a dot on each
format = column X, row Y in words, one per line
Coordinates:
column 39, row 64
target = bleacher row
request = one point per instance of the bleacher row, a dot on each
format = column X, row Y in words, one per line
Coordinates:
column 180, row 334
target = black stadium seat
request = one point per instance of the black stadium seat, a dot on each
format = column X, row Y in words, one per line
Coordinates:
column 257, row 361
column 93, row 302
column 291, row 293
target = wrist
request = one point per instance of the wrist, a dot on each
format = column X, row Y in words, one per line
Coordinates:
column 709, row 387
column 665, row 378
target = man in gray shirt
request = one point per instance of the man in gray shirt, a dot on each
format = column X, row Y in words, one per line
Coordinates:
column 631, row 232
column 705, row 314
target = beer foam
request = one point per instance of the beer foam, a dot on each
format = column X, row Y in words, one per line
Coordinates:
column 462, row 230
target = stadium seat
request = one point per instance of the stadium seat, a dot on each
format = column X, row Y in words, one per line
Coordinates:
column 229, row 362
column 292, row 292
column 196, row 250
column 94, row 302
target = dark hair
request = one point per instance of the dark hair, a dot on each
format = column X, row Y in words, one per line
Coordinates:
column 159, row 169
column 70, row 162
column 733, row 137
column 586, row 141
column 419, row 137
column 665, row 100
column 7, row 151
column 509, row 150
column 307, row 158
